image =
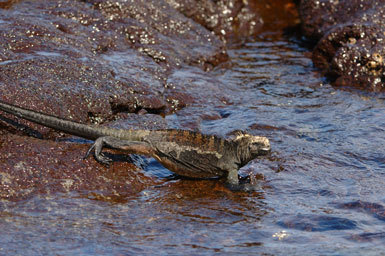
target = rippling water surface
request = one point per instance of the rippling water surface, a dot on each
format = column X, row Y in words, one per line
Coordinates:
column 320, row 192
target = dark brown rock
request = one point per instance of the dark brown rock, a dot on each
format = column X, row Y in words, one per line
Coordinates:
column 277, row 15
column 351, row 42
column 226, row 18
column 95, row 61
column 157, row 30
column 31, row 166
column 88, row 60
column 66, row 56
column 201, row 89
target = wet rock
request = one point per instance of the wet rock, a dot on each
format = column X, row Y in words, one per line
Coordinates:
column 97, row 61
column 317, row 223
column 226, row 18
column 277, row 15
column 368, row 237
column 350, row 35
column 201, row 89
column 134, row 104
column 157, row 30
column 31, row 166
column 377, row 210
column 7, row 4
column 68, row 55
column 135, row 121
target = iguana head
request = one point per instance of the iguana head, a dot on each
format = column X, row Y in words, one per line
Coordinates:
column 250, row 146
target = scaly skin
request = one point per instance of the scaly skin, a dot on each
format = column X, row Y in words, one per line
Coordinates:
column 187, row 153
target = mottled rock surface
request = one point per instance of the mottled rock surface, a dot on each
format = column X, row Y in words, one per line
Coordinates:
column 33, row 166
column 350, row 36
column 95, row 61
column 226, row 18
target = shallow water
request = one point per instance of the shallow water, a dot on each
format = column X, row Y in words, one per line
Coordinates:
column 320, row 192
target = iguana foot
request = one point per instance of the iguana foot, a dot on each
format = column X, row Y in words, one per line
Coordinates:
column 98, row 146
column 234, row 184
column 232, row 177
column 244, row 187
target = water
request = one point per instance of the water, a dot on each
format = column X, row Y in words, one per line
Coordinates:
column 320, row 192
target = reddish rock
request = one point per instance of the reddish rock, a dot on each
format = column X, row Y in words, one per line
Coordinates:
column 66, row 56
column 94, row 61
column 226, row 18
column 351, row 42
column 30, row 166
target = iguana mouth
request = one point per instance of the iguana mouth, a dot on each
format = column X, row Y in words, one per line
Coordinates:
column 266, row 147
column 265, row 151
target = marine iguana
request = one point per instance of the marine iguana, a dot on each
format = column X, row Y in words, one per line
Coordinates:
column 186, row 153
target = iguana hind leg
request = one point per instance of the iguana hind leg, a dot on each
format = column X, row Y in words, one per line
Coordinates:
column 131, row 147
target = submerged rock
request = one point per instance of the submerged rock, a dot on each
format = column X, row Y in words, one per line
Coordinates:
column 351, row 40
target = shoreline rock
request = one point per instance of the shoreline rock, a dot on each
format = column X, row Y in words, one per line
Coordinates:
column 350, row 40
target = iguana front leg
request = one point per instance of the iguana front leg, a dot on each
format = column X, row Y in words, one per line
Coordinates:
column 232, row 177
column 131, row 147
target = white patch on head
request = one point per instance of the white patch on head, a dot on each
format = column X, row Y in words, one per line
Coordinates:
column 241, row 135
column 263, row 140
column 253, row 139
